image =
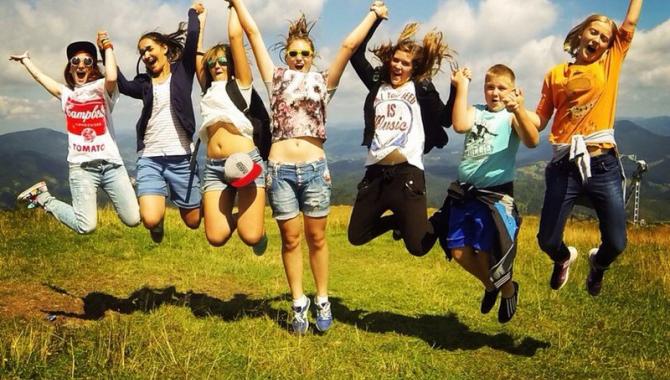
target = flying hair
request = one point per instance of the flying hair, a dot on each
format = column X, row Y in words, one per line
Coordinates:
column 428, row 55
column 297, row 30
column 174, row 41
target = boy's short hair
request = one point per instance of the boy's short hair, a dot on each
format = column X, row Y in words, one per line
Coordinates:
column 501, row 70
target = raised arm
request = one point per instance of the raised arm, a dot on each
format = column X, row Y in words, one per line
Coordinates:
column 363, row 69
column 263, row 60
column 192, row 36
column 633, row 14
column 236, row 36
column 463, row 116
column 200, row 65
column 350, row 45
column 52, row 86
column 524, row 122
column 107, row 49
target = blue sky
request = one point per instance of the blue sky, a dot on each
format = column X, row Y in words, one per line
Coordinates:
column 525, row 34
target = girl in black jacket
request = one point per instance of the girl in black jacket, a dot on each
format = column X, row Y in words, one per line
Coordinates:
column 404, row 119
column 166, row 125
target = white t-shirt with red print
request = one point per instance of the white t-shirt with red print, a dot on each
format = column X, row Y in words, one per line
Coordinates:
column 88, row 116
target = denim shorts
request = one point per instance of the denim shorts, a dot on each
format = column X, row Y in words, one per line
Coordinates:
column 155, row 175
column 471, row 225
column 214, row 178
column 299, row 187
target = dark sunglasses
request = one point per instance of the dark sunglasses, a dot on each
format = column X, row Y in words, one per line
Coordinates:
column 222, row 61
column 88, row 61
column 304, row 53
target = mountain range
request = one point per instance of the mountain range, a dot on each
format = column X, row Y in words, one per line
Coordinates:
column 29, row 156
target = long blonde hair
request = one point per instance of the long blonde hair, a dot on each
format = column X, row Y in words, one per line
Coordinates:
column 427, row 55
column 571, row 43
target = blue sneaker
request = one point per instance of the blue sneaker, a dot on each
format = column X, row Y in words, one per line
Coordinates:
column 260, row 247
column 324, row 317
column 300, row 322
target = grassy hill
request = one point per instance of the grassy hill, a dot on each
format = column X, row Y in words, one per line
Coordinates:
column 115, row 305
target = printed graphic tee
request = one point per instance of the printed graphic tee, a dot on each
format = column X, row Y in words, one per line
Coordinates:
column 88, row 117
column 398, row 125
column 489, row 153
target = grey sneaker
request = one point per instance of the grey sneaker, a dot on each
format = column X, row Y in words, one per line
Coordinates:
column 300, row 321
column 260, row 247
column 594, row 281
column 324, row 317
column 562, row 270
column 30, row 194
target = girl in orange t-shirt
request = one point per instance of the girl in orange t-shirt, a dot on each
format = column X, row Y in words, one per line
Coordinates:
column 585, row 163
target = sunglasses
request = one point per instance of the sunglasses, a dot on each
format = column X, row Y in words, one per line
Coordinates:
column 304, row 53
column 222, row 61
column 75, row 61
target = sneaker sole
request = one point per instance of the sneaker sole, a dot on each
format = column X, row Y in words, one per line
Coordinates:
column 30, row 191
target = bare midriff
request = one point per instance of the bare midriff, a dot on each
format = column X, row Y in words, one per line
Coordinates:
column 298, row 149
column 393, row 158
column 225, row 139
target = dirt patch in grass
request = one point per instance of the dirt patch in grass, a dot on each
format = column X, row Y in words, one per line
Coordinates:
column 32, row 300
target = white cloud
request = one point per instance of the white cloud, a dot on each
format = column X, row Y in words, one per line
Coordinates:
column 27, row 109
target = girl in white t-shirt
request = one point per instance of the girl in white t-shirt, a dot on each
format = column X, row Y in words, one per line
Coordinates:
column 94, row 160
column 226, row 130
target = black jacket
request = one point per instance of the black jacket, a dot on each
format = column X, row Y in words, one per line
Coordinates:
column 434, row 114
column 181, row 85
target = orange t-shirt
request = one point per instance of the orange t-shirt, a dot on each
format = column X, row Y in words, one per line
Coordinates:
column 584, row 96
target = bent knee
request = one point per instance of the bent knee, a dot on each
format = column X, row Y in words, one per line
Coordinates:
column 218, row 241
column 85, row 229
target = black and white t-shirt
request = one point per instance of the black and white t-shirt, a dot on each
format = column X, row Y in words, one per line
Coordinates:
column 88, row 116
column 164, row 135
column 398, row 125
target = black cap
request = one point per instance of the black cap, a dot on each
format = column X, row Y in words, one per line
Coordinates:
column 84, row 46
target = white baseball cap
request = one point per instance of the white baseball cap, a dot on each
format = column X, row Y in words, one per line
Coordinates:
column 241, row 170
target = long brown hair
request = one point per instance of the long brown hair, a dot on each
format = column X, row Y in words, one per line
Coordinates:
column 95, row 74
column 173, row 41
column 212, row 53
column 297, row 30
column 571, row 42
column 427, row 55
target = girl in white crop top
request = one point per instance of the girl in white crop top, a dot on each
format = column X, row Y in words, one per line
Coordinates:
column 226, row 130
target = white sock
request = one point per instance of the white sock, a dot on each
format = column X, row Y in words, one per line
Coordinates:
column 321, row 300
column 300, row 302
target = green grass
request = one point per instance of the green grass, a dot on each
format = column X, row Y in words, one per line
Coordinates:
column 128, row 308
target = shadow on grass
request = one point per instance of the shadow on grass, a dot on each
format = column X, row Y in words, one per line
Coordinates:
column 146, row 300
column 440, row 332
column 443, row 332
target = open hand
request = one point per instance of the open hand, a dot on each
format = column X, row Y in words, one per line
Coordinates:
column 19, row 57
column 461, row 76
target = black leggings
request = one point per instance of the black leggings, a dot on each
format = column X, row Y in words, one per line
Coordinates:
column 402, row 189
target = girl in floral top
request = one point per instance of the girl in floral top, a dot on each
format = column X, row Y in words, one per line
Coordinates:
column 298, row 178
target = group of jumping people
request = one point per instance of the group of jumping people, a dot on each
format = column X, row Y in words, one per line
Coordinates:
column 251, row 154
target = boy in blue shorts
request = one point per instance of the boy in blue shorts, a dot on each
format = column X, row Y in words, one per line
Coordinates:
column 483, row 220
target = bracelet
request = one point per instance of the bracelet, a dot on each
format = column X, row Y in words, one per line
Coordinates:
column 107, row 45
column 199, row 53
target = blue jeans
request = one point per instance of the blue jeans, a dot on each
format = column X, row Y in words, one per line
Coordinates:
column 605, row 191
column 85, row 179
column 299, row 187
column 169, row 176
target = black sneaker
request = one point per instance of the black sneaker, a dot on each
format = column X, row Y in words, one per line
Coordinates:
column 508, row 305
column 489, row 300
column 594, row 282
column 562, row 270
column 157, row 232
